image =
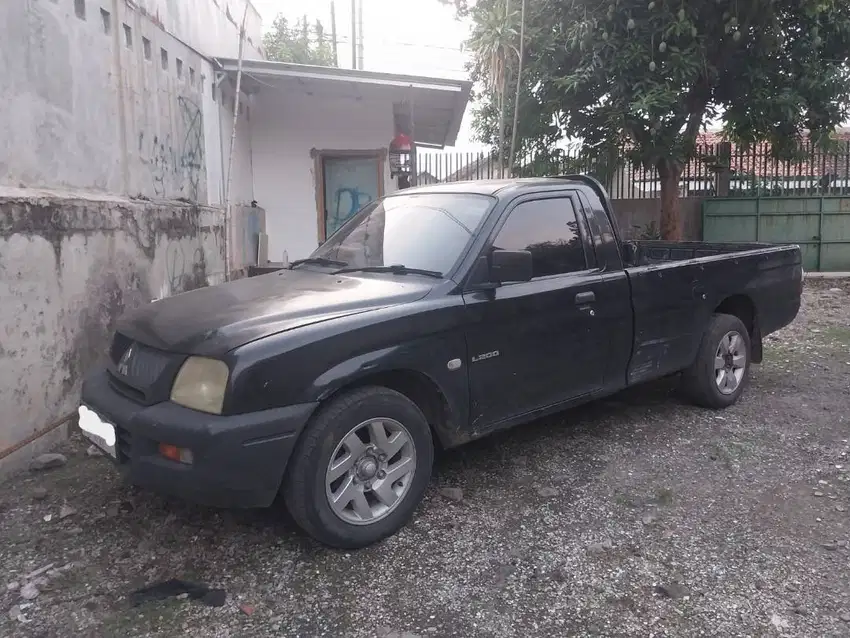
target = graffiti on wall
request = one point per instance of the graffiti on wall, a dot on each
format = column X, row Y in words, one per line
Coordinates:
column 175, row 162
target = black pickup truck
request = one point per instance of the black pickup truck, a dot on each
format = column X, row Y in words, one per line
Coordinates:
column 433, row 317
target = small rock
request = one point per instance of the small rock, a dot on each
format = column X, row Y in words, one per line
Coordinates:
column 48, row 518
column 75, row 531
column 93, row 450
column 39, row 493
column 29, row 592
column 600, row 547
column 845, row 616
column 667, row 534
column 672, row 590
column 801, row 611
column 835, row 290
column 842, row 544
column 15, row 613
column 648, row 519
column 48, row 462
column 548, row 492
column 791, row 587
column 452, row 493
column 66, row 511
column 817, row 493
column 182, row 596
column 13, row 586
column 839, row 508
column 778, row 622
column 830, row 547
column 246, row 609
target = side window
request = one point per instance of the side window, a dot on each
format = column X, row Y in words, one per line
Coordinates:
column 548, row 229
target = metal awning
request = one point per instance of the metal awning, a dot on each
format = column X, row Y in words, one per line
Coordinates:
column 431, row 108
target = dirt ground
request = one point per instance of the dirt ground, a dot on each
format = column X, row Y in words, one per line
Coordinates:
column 636, row 516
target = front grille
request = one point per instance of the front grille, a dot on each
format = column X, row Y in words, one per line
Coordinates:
column 120, row 343
column 141, row 365
column 141, row 373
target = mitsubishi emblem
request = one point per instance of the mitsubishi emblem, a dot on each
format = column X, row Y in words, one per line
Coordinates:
column 124, row 363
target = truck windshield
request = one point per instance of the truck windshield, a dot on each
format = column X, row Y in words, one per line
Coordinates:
column 428, row 231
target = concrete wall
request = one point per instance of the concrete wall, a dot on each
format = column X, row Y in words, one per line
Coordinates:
column 284, row 130
column 634, row 215
column 106, row 102
column 69, row 267
column 210, row 26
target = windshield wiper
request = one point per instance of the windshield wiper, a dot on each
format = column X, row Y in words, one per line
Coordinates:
column 319, row 261
column 396, row 269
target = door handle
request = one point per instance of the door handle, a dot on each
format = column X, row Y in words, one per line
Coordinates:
column 583, row 298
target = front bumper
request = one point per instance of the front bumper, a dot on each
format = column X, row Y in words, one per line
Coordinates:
column 239, row 460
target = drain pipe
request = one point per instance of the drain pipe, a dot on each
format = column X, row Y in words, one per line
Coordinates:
column 227, row 212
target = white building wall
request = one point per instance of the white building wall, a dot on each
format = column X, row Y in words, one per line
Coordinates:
column 285, row 128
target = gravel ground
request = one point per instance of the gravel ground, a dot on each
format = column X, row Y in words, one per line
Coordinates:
column 636, row 516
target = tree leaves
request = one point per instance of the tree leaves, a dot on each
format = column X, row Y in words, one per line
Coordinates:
column 301, row 43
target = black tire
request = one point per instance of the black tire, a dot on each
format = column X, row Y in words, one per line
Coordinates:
column 304, row 488
column 700, row 380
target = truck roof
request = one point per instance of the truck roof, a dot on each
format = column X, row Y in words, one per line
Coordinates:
column 499, row 186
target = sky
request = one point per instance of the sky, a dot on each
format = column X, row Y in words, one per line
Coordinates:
column 418, row 37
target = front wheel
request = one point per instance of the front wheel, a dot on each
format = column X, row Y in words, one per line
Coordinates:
column 360, row 468
column 719, row 374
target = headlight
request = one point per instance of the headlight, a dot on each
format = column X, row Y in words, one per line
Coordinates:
column 201, row 384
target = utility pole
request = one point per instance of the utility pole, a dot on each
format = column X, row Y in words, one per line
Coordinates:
column 353, row 34
column 333, row 32
column 360, row 33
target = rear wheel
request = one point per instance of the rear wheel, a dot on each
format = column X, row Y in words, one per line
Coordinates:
column 360, row 468
column 719, row 374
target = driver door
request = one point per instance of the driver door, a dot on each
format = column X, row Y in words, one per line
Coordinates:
column 536, row 344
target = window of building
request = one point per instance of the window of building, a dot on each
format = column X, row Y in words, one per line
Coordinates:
column 548, row 229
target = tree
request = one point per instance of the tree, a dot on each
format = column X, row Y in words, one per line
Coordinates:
column 301, row 43
column 492, row 42
column 649, row 75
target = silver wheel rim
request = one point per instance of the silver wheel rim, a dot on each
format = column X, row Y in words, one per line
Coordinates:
column 730, row 362
column 370, row 471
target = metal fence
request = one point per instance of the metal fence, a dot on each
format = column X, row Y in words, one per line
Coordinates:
column 819, row 225
column 752, row 172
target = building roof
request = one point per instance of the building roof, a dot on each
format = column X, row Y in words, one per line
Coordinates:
column 432, row 107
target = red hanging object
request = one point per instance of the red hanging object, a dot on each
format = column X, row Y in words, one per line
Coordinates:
column 401, row 143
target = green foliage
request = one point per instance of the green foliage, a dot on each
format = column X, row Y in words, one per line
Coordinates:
column 650, row 74
column 301, row 43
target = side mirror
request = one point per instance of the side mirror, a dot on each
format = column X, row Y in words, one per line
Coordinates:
column 507, row 266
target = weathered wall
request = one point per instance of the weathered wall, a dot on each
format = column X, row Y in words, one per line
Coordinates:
column 69, row 267
column 103, row 101
column 284, row 129
column 635, row 215
column 210, row 26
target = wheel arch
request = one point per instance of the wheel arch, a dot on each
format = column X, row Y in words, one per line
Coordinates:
column 744, row 308
column 417, row 386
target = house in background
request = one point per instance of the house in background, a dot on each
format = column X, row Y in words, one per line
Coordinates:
column 313, row 142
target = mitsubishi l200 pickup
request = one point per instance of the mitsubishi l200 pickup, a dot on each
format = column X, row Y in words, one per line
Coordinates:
column 434, row 316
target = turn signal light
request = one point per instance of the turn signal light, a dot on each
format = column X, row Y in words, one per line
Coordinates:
column 177, row 454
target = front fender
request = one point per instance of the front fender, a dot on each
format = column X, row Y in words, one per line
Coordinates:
column 427, row 357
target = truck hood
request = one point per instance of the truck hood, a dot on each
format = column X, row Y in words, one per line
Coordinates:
column 211, row 321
